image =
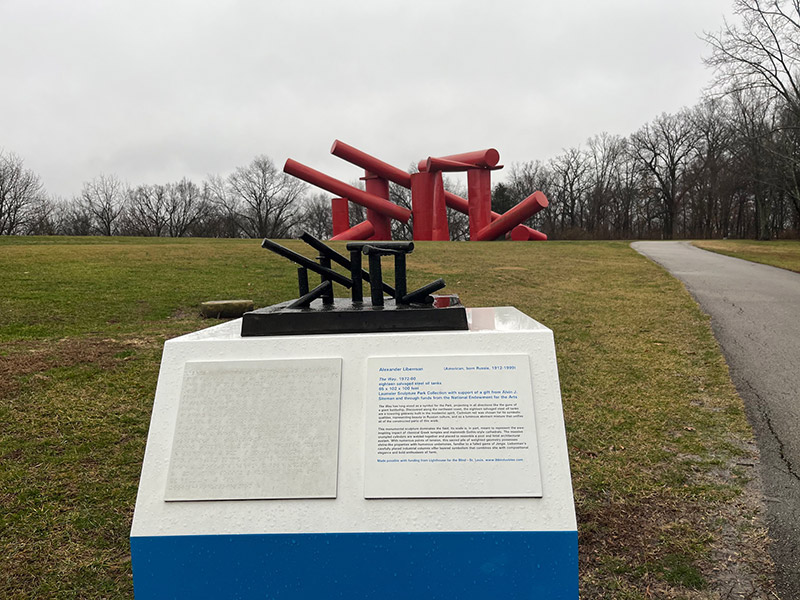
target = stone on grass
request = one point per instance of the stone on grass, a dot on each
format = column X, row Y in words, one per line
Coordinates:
column 225, row 309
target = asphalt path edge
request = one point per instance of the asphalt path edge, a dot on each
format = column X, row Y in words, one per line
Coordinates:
column 775, row 485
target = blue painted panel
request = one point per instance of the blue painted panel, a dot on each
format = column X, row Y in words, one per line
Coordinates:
column 387, row 566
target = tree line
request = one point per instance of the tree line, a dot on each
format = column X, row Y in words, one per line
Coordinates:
column 724, row 168
column 727, row 167
column 254, row 201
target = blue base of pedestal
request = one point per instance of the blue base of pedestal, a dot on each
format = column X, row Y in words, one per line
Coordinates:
column 389, row 566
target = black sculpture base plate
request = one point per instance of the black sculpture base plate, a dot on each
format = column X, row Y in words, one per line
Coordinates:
column 345, row 317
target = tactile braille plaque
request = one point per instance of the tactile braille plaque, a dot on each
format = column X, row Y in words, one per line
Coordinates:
column 256, row 429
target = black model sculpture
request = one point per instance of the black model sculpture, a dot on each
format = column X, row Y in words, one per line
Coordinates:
column 318, row 311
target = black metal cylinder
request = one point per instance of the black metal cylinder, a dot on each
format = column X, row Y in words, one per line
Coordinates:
column 306, row 262
column 302, row 280
column 325, row 263
column 306, row 300
column 420, row 296
column 339, row 259
column 375, row 280
column 357, row 291
column 398, row 245
column 399, row 277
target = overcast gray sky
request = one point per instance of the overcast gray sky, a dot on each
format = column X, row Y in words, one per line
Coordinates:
column 152, row 91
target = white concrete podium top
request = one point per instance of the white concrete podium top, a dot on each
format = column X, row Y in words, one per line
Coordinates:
column 500, row 319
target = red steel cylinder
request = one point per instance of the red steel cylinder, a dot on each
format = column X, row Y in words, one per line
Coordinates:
column 370, row 163
column 362, row 231
column 422, row 205
column 480, row 158
column 525, row 233
column 479, row 193
column 334, row 186
column 535, row 235
column 340, row 210
column 520, row 234
column 392, row 173
column 443, row 164
column 513, row 217
column 485, row 159
column 462, row 205
column 456, row 202
column 378, row 186
column 441, row 230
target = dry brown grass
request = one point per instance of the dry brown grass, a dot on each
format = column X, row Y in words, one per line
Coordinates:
column 784, row 254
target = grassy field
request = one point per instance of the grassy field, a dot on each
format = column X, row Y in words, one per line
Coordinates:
column 660, row 450
column 781, row 253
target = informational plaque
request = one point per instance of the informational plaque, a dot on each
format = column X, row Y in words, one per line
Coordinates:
column 450, row 427
column 256, row 429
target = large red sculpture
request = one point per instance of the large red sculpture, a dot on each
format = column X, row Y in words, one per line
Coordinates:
column 429, row 199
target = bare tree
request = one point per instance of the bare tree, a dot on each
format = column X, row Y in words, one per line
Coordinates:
column 662, row 148
column 753, row 130
column 762, row 51
column 267, row 200
column 760, row 55
column 145, row 212
column 709, row 175
column 43, row 217
column 103, row 198
column 20, row 190
column 75, row 218
column 604, row 155
column 317, row 218
column 627, row 196
column 570, row 185
column 526, row 178
column 185, row 206
column 786, row 148
column 222, row 219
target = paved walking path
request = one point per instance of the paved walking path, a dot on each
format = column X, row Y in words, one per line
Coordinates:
column 755, row 315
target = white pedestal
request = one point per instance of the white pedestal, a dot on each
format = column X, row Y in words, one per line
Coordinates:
column 397, row 465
